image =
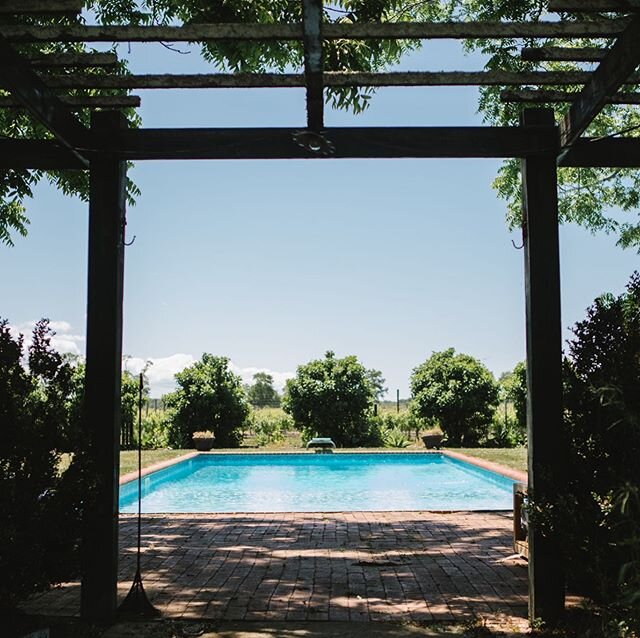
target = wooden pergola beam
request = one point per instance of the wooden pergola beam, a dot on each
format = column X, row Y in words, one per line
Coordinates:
column 26, row 86
column 351, row 143
column 80, row 60
column 313, row 63
column 83, row 102
column 330, row 31
column 330, row 79
column 614, row 71
column 548, row 96
column 588, row 6
column 562, row 54
column 40, row 6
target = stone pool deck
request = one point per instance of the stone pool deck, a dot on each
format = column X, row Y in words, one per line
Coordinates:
column 357, row 566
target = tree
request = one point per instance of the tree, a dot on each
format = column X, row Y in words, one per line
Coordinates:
column 332, row 397
column 514, row 387
column 378, row 383
column 41, row 508
column 262, row 393
column 596, row 515
column 209, row 397
column 458, row 391
column 587, row 195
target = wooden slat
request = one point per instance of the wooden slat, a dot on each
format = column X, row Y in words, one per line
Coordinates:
column 332, row 79
column 607, row 153
column 40, row 6
column 548, row 96
column 562, row 54
column 351, row 143
column 621, row 60
column 544, row 368
column 331, row 31
column 587, row 6
column 103, row 374
column 357, row 142
column 313, row 63
column 52, row 60
column 24, row 84
column 82, row 102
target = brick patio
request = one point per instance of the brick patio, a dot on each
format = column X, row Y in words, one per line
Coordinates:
column 394, row 566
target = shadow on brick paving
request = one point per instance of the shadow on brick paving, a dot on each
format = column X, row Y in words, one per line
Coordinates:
column 418, row 567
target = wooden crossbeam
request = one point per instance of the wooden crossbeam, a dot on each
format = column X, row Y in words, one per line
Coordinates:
column 607, row 153
column 549, row 96
column 313, row 63
column 25, row 85
column 330, row 31
column 79, row 60
column 351, row 143
column 82, row 102
column 331, row 78
column 40, row 6
column 614, row 71
column 562, row 54
column 587, row 6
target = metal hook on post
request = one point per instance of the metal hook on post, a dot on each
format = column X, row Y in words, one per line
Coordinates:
column 124, row 234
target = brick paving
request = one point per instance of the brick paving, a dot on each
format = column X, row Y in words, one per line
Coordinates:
column 389, row 566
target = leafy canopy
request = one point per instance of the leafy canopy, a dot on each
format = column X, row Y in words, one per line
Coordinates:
column 597, row 199
column 209, row 397
column 458, row 391
column 332, row 397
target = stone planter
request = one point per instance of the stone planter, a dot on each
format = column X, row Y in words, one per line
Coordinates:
column 203, row 445
column 432, row 441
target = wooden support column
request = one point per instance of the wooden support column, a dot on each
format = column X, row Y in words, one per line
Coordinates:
column 544, row 364
column 103, row 373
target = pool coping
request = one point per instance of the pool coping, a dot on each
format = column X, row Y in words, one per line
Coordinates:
column 481, row 463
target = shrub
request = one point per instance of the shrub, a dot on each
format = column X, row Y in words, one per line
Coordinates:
column 155, row 430
column 209, row 396
column 595, row 515
column 332, row 397
column 395, row 438
column 459, row 392
column 270, row 427
column 41, row 509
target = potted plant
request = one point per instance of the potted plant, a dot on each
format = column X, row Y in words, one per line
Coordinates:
column 432, row 439
column 203, row 441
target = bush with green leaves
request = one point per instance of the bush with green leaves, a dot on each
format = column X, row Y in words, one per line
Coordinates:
column 155, row 430
column 595, row 515
column 270, row 426
column 459, row 392
column 41, row 509
column 513, row 390
column 209, row 397
column 332, row 397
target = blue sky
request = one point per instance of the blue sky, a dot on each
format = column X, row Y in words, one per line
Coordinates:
column 273, row 263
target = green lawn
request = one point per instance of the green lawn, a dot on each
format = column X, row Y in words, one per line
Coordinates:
column 515, row 458
column 129, row 458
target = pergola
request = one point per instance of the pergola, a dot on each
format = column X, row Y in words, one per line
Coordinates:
column 107, row 145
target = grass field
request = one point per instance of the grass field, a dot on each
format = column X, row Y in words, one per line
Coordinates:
column 515, row 458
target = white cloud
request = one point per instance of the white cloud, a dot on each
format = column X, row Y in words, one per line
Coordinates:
column 161, row 371
column 279, row 378
column 63, row 341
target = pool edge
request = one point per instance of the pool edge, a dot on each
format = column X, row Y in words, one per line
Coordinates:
column 503, row 470
column 161, row 465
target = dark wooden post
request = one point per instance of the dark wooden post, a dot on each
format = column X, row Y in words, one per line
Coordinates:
column 103, row 373
column 544, row 364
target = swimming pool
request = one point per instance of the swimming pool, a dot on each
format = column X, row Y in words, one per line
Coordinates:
column 318, row 483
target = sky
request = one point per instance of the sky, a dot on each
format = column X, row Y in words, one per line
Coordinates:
column 273, row 263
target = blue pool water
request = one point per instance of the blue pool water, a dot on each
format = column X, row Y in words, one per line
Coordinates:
column 318, row 483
